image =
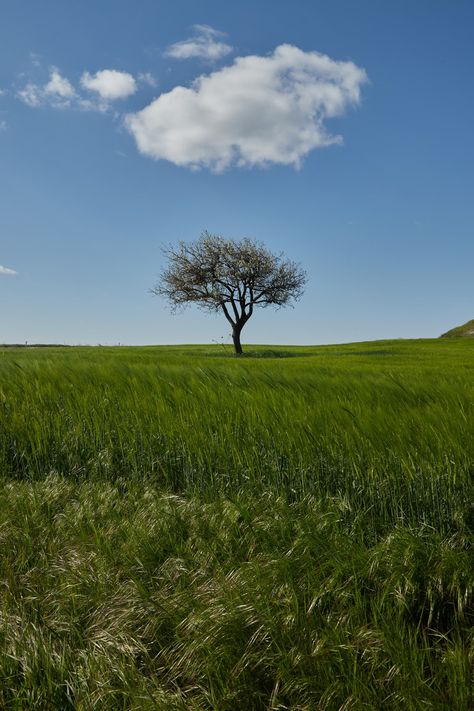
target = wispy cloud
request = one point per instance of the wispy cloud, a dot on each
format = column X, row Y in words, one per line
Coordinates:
column 57, row 91
column 147, row 78
column 258, row 111
column 59, row 86
column 31, row 94
column 35, row 59
column 3, row 126
column 7, row 271
column 205, row 44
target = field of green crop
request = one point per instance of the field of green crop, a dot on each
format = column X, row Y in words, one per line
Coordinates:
column 183, row 529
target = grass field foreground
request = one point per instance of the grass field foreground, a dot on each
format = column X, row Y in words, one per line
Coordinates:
column 288, row 530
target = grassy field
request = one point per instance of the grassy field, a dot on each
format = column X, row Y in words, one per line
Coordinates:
column 182, row 529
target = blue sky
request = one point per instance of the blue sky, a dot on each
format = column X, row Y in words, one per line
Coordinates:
column 110, row 148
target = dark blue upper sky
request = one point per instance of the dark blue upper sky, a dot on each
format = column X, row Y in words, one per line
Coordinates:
column 383, row 220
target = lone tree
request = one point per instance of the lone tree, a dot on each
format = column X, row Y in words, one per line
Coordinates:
column 229, row 275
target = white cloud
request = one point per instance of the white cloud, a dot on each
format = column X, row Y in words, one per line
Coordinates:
column 3, row 126
column 204, row 45
column 57, row 92
column 258, row 111
column 59, row 86
column 110, row 84
column 6, row 270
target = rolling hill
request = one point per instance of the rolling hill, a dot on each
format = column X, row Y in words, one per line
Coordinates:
column 464, row 331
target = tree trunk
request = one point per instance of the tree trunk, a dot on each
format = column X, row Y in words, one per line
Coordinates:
column 236, row 338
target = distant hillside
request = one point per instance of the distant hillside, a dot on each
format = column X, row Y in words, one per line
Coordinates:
column 464, row 331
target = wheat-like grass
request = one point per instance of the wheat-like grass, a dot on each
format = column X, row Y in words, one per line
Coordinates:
column 185, row 530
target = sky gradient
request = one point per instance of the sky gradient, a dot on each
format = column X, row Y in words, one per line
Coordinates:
column 350, row 148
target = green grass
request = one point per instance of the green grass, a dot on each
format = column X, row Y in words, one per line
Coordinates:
column 182, row 529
